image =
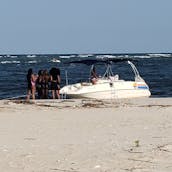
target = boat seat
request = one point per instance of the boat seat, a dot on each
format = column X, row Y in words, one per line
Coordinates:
column 114, row 78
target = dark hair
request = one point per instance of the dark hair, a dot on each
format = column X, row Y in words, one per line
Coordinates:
column 94, row 68
column 30, row 71
column 40, row 72
column 54, row 72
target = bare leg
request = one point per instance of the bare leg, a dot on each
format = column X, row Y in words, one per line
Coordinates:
column 28, row 95
column 58, row 94
column 46, row 93
column 33, row 93
column 53, row 94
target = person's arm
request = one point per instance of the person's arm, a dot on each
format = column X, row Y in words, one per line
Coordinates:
column 51, row 78
column 94, row 75
column 58, row 79
column 32, row 78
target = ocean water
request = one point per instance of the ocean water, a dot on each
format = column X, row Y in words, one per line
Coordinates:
column 155, row 69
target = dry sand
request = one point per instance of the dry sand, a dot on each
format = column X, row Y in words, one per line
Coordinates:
column 86, row 136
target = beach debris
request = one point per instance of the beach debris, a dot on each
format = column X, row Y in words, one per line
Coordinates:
column 22, row 101
column 133, row 169
column 137, row 144
column 70, row 103
column 92, row 103
column 155, row 105
column 134, row 148
column 58, row 169
column 139, row 160
column 165, row 148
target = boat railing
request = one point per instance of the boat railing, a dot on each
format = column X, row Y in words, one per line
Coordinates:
column 108, row 73
column 136, row 72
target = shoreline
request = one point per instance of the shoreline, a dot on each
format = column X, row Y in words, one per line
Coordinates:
column 78, row 103
column 86, row 135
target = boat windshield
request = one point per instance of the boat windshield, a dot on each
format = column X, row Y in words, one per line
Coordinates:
column 104, row 69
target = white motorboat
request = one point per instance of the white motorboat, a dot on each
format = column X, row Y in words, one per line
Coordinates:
column 109, row 87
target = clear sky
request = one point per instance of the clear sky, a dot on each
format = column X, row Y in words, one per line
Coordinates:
column 85, row 26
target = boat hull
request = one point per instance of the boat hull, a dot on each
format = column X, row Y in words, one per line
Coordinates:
column 107, row 90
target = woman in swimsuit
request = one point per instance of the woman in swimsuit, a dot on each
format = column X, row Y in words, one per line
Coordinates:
column 39, row 84
column 31, row 79
column 45, row 84
column 55, row 82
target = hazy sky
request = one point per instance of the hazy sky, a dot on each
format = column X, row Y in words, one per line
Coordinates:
column 85, row 26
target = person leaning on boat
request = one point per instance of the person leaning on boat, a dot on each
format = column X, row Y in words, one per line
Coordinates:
column 94, row 76
column 55, row 82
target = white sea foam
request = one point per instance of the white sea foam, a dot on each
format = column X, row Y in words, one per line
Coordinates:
column 84, row 55
column 54, row 60
column 72, row 56
column 32, row 61
column 99, row 57
column 160, row 55
column 142, row 56
column 105, row 56
column 65, row 57
column 12, row 56
column 8, row 55
column 122, row 56
column 31, row 56
column 10, row 62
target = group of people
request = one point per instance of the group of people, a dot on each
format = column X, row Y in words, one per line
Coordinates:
column 46, row 80
column 43, row 82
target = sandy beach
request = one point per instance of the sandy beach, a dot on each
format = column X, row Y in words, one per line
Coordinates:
column 86, row 136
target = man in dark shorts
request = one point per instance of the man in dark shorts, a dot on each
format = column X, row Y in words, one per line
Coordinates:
column 55, row 82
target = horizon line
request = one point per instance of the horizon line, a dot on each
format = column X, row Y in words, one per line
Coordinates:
column 85, row 53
